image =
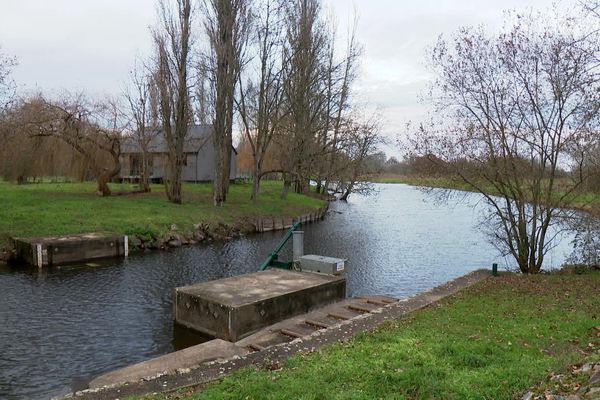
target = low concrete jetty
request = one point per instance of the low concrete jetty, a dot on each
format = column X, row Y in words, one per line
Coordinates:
column 57, row 250
column 236, row 307
column 176, row 362
column 272, row 344
column 217, row 350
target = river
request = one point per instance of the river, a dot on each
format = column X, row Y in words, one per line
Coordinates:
column 61, row 327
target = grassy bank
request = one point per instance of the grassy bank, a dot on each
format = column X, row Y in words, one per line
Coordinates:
column 491, row 341
column 64, row 208
column 585, row 201
column 447, row 183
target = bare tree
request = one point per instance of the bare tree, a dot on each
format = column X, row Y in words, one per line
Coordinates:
column 340, row 77
column 6, row 84
column 173, row 42
column 260, row 102
column 305, row 54
column 227, row 24
column 93, row 129
column 363, row 138
column 517, row 110
column 142, row 98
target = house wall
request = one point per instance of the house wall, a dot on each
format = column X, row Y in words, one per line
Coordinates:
column 159, row 166
column 206, row 165
column 125, row 165
column 188, row 173
column 233, row 166
column 199, row 168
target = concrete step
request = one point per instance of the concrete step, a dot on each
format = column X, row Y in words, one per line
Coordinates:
column 379, row 300
column 322, row 318
column 265, row 341
column 170, row 363
column 299, row 330
column 363, row 307
column 319, row 323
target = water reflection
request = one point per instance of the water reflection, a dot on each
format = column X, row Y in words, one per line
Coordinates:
column 61, row 327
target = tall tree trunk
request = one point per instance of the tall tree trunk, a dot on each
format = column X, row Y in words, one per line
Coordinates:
column 256, row 171
column 144, row 173
column 219, row 196
column 103, row 189
column 173, row 183
column 287, row 183
column 227, row 32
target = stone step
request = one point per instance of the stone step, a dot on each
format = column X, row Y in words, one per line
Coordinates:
column 300, row 329
column 363, row 307
column 170, row 363
column 304, row 325
column 381, row 300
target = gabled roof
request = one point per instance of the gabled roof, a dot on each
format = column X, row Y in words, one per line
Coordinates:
column 197, row 137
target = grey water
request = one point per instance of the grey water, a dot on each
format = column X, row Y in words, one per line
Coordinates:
column 62, row 326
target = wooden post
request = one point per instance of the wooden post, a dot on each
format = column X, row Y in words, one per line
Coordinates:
column 39, row 259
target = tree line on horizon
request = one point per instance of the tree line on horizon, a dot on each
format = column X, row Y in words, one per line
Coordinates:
column 514, row 112
column 270, row 70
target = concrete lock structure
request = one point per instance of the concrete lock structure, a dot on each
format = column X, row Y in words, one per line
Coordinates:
column 57, row 250
column 233, row 308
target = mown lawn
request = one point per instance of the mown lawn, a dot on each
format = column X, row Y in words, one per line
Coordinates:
column 491, row 341
column 42, row 209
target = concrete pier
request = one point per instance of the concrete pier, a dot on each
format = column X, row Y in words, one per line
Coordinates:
column 57, row 250
column 171, row 363
column 236, row 307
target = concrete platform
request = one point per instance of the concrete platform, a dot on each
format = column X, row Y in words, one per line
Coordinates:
column 236, row 307
column 171, row 363
column 281, row 346
column 57, row 250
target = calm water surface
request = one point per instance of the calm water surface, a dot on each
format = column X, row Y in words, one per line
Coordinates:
column 61, row 327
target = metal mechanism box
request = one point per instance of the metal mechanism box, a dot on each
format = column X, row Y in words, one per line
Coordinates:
column 323, row 265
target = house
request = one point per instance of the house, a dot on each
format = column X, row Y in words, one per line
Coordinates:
column 199, row 165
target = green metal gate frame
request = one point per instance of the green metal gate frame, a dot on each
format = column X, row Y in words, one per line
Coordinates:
column 273, row 257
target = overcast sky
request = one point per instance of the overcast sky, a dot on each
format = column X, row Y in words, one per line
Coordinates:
column 91, row 45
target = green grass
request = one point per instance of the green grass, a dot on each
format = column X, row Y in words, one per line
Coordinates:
column 448, row 183
column 43, row 209
column 491, row 341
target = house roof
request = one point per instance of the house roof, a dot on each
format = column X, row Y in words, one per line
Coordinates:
column 196, row 138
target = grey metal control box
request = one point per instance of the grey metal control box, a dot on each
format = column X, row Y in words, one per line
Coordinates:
column 323, row 265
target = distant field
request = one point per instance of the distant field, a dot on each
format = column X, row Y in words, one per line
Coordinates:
column 586, row 200
column 42, row 209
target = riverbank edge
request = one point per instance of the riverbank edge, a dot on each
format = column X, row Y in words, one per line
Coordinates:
column 201, row 233
column 592, row 207
column 204, row 232
column 203, row 374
